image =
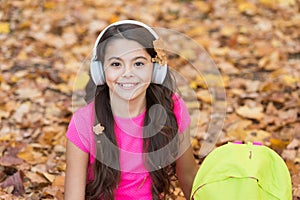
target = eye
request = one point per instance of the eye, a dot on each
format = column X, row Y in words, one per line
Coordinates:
column 139, row 64
column 115, row 64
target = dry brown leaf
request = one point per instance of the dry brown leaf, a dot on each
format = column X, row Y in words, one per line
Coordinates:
column 22, row 110
column 228, row 30
column 193, row 104
column 204, row 96
column 263, row 49
column 286, row 3
column 221, row 51
column 268, row 2
column 289, row 154
column 199, row 30
column 54, row 192
column 202, row 118
column 31, row 156
column 251, row 113
column 49, row 177
column 247, row 7
column 69, row 37
column 271, row 109
column 64, row 88
column 252, row 86
column 10, row 190
column 27, row 154
column 15, row 181
column 60, row 165
column 28, row 93
column 294, row 144
column 288, row 116
column 35, row 178
column 188, row 54
column 243, row 40
column 239, row 125
column 52, row 110
column 228, row 68
column 59, row 181
column 237, row 135
column 3, row 114
column 10, row 161
column 199, row 82
column 257, row 136
column 202, row 6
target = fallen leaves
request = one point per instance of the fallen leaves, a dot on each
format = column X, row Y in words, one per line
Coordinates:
column 252, row 113
column 228, row 68
column 247, row 8
column 10, row 161
column 255, row 44
column 14, row 184
column 30, row 156
column 274, row 3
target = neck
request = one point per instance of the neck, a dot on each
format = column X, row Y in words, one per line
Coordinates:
column 128, row 109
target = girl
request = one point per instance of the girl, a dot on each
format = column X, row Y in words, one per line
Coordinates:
column 132, row 140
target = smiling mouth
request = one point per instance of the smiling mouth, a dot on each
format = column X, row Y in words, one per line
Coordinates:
column 127, row 86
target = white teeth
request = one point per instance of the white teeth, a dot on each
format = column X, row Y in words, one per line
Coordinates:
column 127, row 85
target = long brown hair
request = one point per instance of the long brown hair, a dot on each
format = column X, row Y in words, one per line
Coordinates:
column 107, row 178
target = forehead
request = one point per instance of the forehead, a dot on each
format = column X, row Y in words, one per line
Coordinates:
column 124, row 48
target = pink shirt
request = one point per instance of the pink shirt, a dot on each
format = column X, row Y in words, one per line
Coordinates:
column 135, row 181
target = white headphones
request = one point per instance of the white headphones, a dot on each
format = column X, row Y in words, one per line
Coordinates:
column 96, row 69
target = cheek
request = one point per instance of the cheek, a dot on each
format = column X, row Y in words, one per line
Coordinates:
column 145, row 74
column 112, row 75
column 148, row 77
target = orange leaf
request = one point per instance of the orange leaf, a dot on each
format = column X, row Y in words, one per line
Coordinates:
column 59, row 181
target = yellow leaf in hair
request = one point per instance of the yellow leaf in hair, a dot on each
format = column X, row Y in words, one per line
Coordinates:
column 161, row 56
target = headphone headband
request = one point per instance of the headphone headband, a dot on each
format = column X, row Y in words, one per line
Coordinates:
column 120, row 23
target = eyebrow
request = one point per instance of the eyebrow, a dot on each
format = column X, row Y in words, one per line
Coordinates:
column 140, row 57
column 114, row 58
column 136, row 58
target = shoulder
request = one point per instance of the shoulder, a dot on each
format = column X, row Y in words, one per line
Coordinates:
column 80, row 127
column 85, row 110
column 84, row 118
column 84, row 114
column 179, row 104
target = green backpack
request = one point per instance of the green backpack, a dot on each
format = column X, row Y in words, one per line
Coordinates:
column 242, row 172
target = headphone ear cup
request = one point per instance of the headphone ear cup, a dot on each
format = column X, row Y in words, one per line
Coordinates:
column 159, row 73
column 97, row 73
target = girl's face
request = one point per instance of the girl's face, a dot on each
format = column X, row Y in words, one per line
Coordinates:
column 127, row 68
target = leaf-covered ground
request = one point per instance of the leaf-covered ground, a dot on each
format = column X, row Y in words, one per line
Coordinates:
column 254, row 43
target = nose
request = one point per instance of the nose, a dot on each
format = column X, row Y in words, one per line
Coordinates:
column 128, row 70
